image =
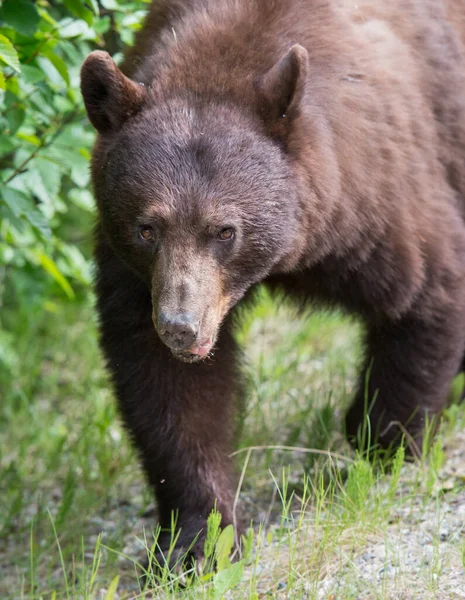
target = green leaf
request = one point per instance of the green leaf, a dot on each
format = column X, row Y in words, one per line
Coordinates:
column 12, row 87
column 224, row 547
column 35, row 185
column 69, row 158
column 50, row 267
column 94, row 6
column 39, row 222
column 15, row 117
column 52, row 74
column 21, row 15
column 73, row 263
column 127, row 37
column 8, row 54
column 59, row 65
column 110, row 5
column 228, row 579
column 32, row 74
column 457, row 388
column 71, row 28
column 6, row 145
column 83, row 199
column 50, row 174
column 247, row 543
column 47, row 17
column 112, row 589
column 102, row 25
column 22, row 205
column 30, row 139
column 77, row 8
column 80, row 174
column 2, row 81
column 18, row 202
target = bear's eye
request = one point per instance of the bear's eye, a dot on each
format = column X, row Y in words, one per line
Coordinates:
column 146, row 233
column 226, row 234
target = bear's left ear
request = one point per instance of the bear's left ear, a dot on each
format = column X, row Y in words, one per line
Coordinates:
column 110, row 97
column 281, row 89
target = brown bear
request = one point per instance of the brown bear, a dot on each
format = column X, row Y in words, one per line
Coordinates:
column 312, row 145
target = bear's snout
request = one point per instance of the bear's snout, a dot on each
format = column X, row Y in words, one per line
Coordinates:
column 178, row 330
column 188, row 302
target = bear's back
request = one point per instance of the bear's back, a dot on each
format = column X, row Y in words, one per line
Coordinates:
column 423, row 39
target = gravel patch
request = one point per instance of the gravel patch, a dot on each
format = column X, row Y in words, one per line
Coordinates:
column 421, row 552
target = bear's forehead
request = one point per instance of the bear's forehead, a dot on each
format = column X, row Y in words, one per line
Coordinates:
column 176, row 193
column 174, row 160
column 185, row 143
column 177, row 171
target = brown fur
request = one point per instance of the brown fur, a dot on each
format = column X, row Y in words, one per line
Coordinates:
column 330, row 136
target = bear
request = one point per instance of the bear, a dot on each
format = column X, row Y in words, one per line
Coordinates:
column 312, row 146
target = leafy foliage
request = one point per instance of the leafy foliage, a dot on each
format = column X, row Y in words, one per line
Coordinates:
column 46, row 207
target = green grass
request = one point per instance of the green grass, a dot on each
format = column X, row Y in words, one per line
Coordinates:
column 75, row 513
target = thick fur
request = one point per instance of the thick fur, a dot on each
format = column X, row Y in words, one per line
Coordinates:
column 331, row 135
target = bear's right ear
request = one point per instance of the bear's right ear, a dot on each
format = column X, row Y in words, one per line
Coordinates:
column 110, row 97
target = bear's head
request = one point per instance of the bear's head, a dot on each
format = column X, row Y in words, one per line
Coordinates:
column 196, row 195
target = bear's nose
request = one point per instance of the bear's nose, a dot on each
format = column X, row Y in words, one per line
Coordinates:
column 179, row 331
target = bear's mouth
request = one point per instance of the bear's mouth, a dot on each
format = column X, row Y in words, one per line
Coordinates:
column 188, row 357
column 196, row 353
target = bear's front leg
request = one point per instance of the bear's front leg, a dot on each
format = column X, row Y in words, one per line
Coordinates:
column 180, row 416
column 407, row 375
